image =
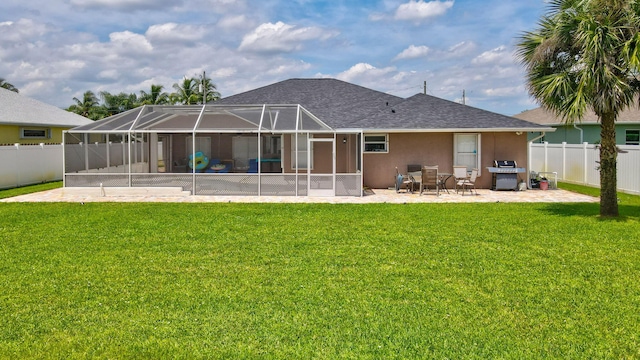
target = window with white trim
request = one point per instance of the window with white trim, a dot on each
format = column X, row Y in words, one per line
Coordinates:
column 632, row 137
column 35, row 133
column 376, row 143
column 466, row 151
column 302, row 151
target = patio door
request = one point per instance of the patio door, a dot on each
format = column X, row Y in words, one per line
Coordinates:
column 164, row 153
column 322, row 182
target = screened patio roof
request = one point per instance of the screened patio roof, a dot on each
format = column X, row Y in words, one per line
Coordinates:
column 209, row 118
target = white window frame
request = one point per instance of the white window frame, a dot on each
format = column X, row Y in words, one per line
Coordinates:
column 627, row 142
column 47, row 133
column 385, row 143
column 459, row 153
column 303, row 141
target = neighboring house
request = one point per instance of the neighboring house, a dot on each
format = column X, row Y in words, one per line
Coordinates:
column 310, row 137
column 27, row 121
column 587, row 130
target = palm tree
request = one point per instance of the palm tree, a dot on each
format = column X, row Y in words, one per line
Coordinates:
column 8, row 86
column 155, row 97
column 88, row 107
column 115, row 104
column 585, row 54
column 205, row 86
column 187, row 91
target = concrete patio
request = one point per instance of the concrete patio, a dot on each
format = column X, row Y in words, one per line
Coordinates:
column 372, row 196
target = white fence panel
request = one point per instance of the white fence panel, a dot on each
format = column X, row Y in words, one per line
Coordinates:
column 554, row 158
column 580, row 164
column 9, row 175
column 629, row 169
column 575, row 164
column 592, row 165
column 29, row 164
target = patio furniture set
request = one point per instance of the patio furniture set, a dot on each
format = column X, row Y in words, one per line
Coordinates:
column 424, row 178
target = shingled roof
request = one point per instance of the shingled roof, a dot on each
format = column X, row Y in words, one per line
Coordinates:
column 421, row 112
column 343, row 105
column 542, row 116
column 337, row 103
column 24, row 111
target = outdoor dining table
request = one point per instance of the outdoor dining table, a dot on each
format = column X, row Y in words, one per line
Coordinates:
column 443, row 180
column 443, row 177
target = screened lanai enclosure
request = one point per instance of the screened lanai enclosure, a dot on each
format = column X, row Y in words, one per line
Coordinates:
column 216, row 150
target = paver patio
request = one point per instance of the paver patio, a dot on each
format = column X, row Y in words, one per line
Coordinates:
column 372, row 196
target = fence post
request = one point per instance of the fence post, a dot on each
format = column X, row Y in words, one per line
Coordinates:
column 16, row 165
column 546, row 156
column 585, row 174
column 42, row 164
column 564, row 159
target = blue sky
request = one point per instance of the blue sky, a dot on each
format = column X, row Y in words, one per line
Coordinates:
column 56, row 50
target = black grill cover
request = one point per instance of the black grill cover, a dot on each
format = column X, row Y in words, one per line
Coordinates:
column 505, row 164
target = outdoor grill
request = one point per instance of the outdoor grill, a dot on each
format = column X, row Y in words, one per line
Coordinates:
column 504, row 175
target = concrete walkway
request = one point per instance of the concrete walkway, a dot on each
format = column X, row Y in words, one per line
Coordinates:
column 373, row 196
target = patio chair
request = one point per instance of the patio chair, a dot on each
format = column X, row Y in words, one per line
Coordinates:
column 460, row 176
column 430, row 178
column 403, row 181
column 253, row 166
column 470, row 183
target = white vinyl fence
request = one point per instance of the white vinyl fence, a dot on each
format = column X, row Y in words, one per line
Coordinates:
column 29, row 164
column 579, row 164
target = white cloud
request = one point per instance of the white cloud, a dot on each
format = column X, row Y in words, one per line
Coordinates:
column 504, row 91
column 234, row 22
column 21, row 30
column 175, row 33
column 130, row 41
column 125, row 4
column 225, row 72
column 110, row 74
column 364, row 71
column 413, row 52
column 281, row 37
column 420, row 10
column 463, row 48
column 499, row 55
column 460, row 50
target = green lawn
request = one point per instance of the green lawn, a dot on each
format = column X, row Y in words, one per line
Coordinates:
column 121, row 280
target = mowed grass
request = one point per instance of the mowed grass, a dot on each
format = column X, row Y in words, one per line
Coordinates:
column 121, row 280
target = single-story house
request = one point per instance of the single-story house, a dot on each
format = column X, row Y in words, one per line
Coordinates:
column 294, row 137
column 27, row 121
column 587, row 129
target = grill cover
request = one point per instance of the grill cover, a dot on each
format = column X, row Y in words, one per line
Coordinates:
column 505, row 164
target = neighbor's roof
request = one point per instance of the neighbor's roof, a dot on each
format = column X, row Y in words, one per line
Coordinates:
column 342, row 105
column 546, row 117
column 428, row 112
column 16, row 109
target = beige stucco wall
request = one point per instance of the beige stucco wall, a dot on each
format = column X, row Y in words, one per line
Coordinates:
column 437, row 149
column 10, row 134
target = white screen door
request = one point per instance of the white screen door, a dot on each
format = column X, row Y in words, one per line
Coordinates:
column 322, row 184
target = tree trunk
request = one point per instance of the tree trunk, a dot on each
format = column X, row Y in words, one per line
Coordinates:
column 608, row 172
